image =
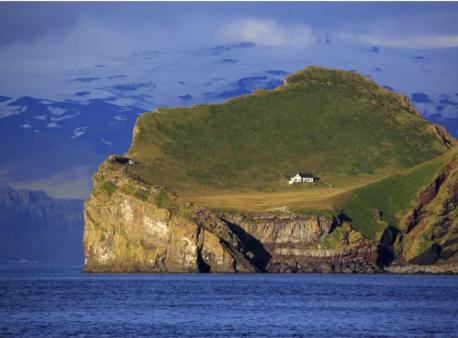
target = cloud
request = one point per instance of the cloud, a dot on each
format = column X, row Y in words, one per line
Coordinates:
column 24, row 22
column 269, row 33
column 417, row 42
column 412, row 30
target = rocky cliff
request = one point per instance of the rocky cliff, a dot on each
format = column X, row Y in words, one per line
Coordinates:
column 306, row 243
column 428, row 241
column 133, row 227
column 399, row 214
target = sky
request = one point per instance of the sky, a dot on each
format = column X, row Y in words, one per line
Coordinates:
column 75, row 76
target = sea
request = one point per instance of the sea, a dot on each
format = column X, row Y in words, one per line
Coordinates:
column 58, row 300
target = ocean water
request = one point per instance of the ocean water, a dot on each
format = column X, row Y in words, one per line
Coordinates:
column 41, row 300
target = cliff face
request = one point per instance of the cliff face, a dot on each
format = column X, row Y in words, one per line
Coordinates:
column 299, row 243
column 130, row 226
column 133, row 227
column 430, row 235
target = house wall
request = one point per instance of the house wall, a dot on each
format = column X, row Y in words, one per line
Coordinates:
column 298, row 179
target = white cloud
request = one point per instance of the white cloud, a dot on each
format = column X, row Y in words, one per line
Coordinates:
column 418, row 42
column 269, row 33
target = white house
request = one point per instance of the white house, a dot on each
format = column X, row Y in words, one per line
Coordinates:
column 301, row 178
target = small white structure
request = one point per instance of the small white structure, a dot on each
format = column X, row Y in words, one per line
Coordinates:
column 302, row 178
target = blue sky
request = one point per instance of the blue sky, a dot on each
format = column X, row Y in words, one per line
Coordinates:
column 56, row 40
column 78, row 74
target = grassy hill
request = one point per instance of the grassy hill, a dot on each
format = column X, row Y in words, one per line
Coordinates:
column 338, row 125
column 373, row 207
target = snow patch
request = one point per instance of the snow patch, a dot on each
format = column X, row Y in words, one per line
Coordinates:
column 26, row 125
column 6, row 110
column 77, row 132
column 63, row 117
column 56, row 111
column 108, row 143
column 121, row 117
column 53, row 125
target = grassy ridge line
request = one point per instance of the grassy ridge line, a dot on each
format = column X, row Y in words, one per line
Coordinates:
column 373, row 207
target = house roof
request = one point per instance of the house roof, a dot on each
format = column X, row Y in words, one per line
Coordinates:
column 308, row 175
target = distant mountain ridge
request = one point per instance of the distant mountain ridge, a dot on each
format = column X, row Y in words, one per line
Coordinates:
column 34, row 226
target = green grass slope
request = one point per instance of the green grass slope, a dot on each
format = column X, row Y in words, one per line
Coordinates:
column 375, row 206
column 336, row 124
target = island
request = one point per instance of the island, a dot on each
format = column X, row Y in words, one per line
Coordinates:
column 207, row 188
